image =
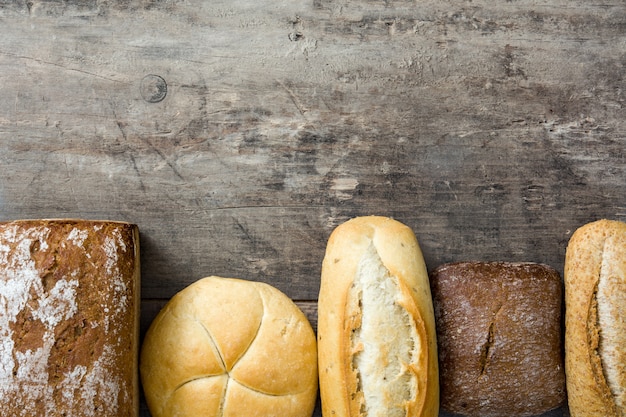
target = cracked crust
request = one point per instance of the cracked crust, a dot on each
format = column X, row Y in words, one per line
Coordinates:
column 595, row 298
column 375, row 308
column 498, row 327
column 226, row 346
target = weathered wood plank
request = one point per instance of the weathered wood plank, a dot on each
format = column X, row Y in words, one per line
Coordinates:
column 493, row 129
column 475, row 125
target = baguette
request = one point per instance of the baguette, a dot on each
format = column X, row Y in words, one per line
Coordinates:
column 376, row 329
column 595, row 320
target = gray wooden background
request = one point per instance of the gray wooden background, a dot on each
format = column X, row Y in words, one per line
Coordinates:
column 238, row 133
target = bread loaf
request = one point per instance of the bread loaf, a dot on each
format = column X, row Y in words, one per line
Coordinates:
column 499, row 336
column 595, row 320
column 69, row 318
column 376, row 330
column 229, row 347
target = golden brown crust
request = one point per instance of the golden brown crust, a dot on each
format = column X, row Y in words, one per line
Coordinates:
column 588, row 258
column 225, row 346
column 340, row 314
column 71, row 317
column 422, row 379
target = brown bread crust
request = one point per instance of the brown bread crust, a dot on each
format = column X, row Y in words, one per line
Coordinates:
column 69, row 318
column 499, row 335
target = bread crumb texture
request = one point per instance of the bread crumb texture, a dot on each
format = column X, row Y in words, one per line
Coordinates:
column 229, row 347
column 385, row 341
column 67, row 318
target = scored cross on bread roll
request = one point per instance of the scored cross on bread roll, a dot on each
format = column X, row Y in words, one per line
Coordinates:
column 376, row 331
column 229, row 347
column 595, row 320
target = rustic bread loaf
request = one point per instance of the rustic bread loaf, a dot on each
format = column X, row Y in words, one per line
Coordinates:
column 595, row 320
column 229, row 347
column 69, row 318
column 499, row 336
column 376, row 329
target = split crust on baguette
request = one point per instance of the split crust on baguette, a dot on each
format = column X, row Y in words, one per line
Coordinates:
column 595, row 320
column 376, row 329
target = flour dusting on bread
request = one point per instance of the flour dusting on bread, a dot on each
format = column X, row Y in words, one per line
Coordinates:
column 386, row 341
column 68, row 318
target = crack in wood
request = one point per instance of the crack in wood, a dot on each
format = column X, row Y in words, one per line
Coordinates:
column 63, row 67
column 294, row 99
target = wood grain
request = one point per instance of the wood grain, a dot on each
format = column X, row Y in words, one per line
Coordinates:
column 493, row 129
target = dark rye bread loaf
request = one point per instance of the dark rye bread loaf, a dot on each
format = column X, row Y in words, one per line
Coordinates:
column 499, row 338
column 69, row 310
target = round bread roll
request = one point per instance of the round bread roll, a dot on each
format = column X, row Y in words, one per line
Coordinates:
column 229, row 347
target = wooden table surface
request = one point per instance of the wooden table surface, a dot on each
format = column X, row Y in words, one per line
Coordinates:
column 237, row 134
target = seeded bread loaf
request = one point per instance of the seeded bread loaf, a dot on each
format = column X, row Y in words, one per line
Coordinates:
column 499, row 336
column 69, row 318
column 595, row 320
column 376, row 329
column 230, row 347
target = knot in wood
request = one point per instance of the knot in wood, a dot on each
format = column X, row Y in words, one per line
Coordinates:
column 153, row 88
